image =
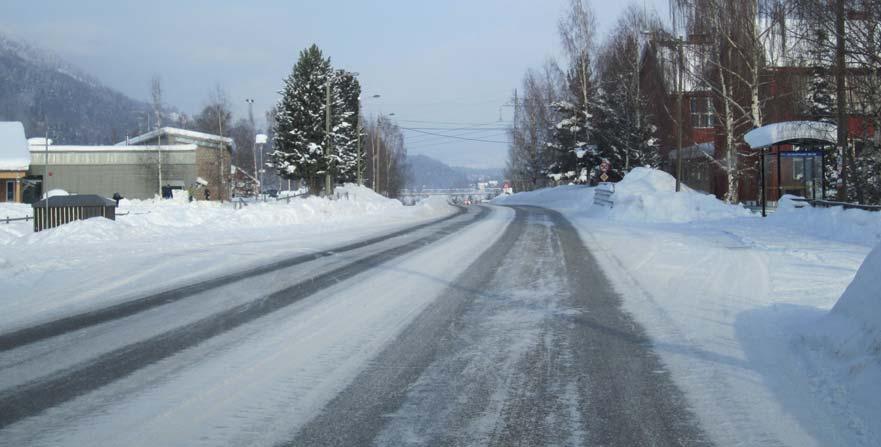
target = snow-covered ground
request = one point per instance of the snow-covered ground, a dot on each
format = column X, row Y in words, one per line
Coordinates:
column 739, row 306
column 161, row 244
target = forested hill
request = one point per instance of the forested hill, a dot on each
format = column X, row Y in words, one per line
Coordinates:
column 36, row 86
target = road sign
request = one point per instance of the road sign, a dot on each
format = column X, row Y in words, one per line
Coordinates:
column 604, row 177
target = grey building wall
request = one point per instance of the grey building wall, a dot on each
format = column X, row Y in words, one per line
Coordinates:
column 134, row 174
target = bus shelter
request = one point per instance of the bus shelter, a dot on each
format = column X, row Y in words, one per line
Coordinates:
column 800, row 146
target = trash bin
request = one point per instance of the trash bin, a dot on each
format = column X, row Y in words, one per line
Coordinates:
column 64, row 209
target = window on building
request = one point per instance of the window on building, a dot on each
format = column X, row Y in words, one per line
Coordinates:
column 10, row 190
column 702, row 112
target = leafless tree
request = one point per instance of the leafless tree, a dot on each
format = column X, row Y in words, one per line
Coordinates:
column 386, row 156
column 530, row 131
column 156, row 96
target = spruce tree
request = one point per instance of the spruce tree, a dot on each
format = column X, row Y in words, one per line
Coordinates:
column 573, row 156
column 299, row 130
column 345, row 113
column 619, row 137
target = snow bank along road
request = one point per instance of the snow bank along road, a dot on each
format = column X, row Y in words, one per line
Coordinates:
column 491, row 327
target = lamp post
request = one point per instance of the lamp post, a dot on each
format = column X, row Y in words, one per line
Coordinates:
column 259, row 141
column 359, row 129
column 250, row 102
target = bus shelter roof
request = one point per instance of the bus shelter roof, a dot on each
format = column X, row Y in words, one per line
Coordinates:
column 792, row 132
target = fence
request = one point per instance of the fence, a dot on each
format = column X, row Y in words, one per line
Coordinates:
column 602, row 195
column 829, row 204
column 54, row 211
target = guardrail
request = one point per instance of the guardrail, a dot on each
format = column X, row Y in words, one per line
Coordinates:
column 8, row 219
column 602, row 195
column 829, row 204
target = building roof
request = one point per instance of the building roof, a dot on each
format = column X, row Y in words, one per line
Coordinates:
column 14, row 154
column 792, row 132
column 189, row 136
column 76, row 200
column 37, row 148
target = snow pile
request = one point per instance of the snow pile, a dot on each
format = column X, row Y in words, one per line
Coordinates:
column 649, row 195
column 643, row 195
column 852, row 226
column 844, row 349
column 140, row 219
column 562, row 198
column 165, row 243
column 861, row 303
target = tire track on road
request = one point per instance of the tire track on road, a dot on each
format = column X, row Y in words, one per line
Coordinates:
column 21, row 337
column 37, row 396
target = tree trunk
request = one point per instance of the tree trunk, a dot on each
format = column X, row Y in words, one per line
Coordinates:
column 732, row 195
column 840, row 73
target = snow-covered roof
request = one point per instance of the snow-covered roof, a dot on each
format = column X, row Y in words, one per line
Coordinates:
column 791, row 132
column 14, row 154
column 191, row 135
column 164, row 148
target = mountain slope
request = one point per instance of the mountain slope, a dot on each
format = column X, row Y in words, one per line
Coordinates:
column 427, row 172
column 36, row 86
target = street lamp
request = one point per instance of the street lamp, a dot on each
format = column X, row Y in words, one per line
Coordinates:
column 359, row 129
column 259, row 141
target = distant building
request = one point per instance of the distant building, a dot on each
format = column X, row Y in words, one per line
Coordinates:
column 14, row 161
column 140, row 168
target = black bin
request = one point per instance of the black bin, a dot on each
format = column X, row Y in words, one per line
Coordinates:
column 63, row 209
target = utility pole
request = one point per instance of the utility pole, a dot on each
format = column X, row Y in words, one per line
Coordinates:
column 46, row 179
column 676, row 45
column 328, row 179
column 376, row 154
column 679, row 44
column 220, row 150
column 636, row 38
column 159, row 157
column 250, row 102
column 156, row 93
column 360, row 154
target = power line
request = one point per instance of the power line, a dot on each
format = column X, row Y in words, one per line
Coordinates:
column 469, row 131
column 447, row 102
column 433, row 139
column 425, row 145
column 451, row 123
column 454, row 137
column 458, row 128
column 481, row 133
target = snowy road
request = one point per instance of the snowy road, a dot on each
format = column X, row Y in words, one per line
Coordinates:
column 530, row 347
column 493, row 327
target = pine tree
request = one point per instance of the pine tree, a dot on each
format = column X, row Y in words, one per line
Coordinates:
column 299, row 132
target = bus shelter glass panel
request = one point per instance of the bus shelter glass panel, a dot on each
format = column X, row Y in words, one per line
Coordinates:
column 799, row 173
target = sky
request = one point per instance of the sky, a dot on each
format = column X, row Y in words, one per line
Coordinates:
column 440, row 64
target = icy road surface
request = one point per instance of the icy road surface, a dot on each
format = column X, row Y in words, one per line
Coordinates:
column 493, row 327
